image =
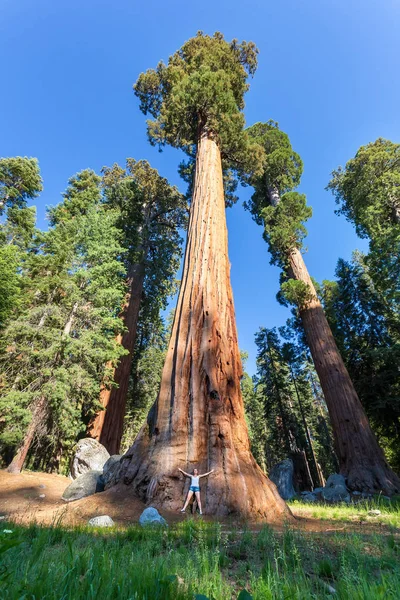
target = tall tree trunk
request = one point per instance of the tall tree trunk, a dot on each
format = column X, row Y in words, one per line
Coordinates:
column 198, row 418
column 361, row 459
column 107, row 426
column 318, row 472
column 37, row 416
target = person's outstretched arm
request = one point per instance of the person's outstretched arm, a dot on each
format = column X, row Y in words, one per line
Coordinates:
column 187, row 474
column 205, row 474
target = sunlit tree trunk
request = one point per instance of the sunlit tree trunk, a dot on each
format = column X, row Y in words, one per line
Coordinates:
column 361, row 460
column 107, row 426
column 198, row 418
column 360, row 457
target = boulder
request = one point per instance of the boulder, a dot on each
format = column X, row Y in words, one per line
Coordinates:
column 151, row 516
column 103, row 521
column 335, row 489
column 85, row 485
column 89, row 455
column 111, row 469
column 309, row 497
column 282, row 475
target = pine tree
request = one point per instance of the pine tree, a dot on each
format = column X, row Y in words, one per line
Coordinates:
column 20, row 182
column 283, row 213
column 196, row 102
column 53, row 353
column 151, row 212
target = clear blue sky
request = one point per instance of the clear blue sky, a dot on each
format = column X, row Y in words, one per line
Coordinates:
column 328, row 73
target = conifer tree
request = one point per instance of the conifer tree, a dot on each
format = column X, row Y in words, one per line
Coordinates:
column 54, row 351
column 196, row 102
column 151, row 213
column 20, row 182
column 283, row 212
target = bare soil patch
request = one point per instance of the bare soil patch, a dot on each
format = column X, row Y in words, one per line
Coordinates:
column 20, row 501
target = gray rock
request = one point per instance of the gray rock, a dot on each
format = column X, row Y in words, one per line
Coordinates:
column 111, row 469
column 282, row 475
column 335, row 489
column 103, row 521
column 318, row 490
column 309, row 497
column 374, row 513
column 89, row 455
column 85, row 485
column 151, row 516
column 42, row 495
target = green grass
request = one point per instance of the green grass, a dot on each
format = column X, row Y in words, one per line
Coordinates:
column 193, row 558
column 390, row 511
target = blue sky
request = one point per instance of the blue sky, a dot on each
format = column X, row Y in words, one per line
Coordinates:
column 328, row 73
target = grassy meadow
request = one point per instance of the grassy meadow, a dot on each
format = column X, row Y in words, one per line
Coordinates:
column 198, row 560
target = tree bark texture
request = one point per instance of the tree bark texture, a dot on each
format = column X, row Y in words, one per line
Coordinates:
column 17, row 462
column 198, row 418
column 107, row 426
column 361, row 459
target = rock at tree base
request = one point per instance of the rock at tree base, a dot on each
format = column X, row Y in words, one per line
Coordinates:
column 111, row 469
column 335, row 489
column 89, row 455
column 103, row 521
column 85, row 485
column 310, row 497
column 151, row 516
column 282, row 475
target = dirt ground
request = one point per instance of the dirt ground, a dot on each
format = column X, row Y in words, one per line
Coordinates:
column 21, row 502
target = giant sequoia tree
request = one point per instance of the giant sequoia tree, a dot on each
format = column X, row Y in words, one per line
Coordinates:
column 150, row 214
column 198, row 417
column 283, row 212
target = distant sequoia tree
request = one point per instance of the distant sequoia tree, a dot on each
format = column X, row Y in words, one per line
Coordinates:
column 198, row 418
column 283, row 212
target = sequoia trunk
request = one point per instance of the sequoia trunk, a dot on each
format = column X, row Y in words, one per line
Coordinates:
column 198, row 418
column 107, row 426
column 361, row 459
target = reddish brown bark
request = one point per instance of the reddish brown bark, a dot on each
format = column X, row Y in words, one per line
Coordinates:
column 107, row 426
column 198, row 418
column 37, row 416
column 361, row 459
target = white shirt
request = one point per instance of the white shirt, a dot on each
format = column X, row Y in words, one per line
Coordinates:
column 195, row 480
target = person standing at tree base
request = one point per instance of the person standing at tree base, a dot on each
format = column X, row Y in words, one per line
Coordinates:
column 194, row 487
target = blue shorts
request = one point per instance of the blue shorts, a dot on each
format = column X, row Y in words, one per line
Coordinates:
column 194, row 488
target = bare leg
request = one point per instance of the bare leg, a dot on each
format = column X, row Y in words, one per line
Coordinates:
column 199, row 501
column 190, row 494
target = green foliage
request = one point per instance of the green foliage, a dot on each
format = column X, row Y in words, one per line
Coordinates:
column 20, row 181
column 56, row 346
column 284, row 379
column 282, row 166
column 9, row 282
column 296, row 292
column 283, row 226
column 367, row 330
column 200, row 89
column 368, row 189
